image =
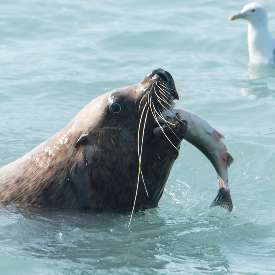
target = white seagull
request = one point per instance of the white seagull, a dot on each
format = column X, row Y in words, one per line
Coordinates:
column 261, row 45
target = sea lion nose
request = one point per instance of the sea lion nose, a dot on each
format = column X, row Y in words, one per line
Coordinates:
column 167, row 77
column 164, row 75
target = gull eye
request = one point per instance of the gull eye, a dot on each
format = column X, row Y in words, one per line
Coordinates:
column 115, row 108
column 253, row 10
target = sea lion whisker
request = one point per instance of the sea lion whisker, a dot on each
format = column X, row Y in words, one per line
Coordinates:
column 145, row 188
column 166, row 88
column 144, row 96
column 161, row 103
column 164, row 93
column 141, row 147
column 167, row 122
column 164, row 132
column 165, row 109
column 161, row 99
column 163, row 84
column 139, row 125
column 173, row 124
column 155, row 118
column 161, row 116
column 139, row 160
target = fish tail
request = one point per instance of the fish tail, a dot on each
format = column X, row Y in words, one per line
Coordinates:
column 223, row 199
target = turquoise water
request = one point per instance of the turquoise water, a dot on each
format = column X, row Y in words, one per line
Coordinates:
column 55, row 56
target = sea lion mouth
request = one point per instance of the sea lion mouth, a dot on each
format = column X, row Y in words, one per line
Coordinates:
column 159, row 95
column 159, row 92
column 163, row 85
column 167, row 81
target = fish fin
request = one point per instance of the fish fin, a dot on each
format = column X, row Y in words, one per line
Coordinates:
column 230, row 159
column 223, row 199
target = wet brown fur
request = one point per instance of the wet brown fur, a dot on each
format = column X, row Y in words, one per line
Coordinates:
column 101, row 173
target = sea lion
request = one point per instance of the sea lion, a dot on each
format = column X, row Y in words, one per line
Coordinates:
column 113, row 156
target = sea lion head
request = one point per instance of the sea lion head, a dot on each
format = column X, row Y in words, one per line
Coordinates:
column 126, row 148
column 123, row 107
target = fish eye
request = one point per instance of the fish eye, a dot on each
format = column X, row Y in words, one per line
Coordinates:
column 253, row 10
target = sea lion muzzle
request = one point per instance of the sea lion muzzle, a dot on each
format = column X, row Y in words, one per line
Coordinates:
column 167, row 77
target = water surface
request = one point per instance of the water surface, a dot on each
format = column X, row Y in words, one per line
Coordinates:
column 55, row 56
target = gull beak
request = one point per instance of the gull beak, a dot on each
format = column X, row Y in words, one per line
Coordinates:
column 237, row 16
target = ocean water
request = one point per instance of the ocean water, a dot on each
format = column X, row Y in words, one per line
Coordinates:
column 55, row 56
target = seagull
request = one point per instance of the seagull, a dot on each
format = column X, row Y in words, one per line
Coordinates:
column 261, row 45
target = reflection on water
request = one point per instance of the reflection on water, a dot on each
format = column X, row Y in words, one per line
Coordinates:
column 260, row 82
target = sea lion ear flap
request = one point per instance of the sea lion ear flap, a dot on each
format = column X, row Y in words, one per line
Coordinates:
column 82, row 140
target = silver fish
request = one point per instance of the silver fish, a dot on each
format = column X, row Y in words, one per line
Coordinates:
column 209, row 141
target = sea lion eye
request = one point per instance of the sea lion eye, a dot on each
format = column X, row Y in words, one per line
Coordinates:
column 115, row 108
column 114, row 104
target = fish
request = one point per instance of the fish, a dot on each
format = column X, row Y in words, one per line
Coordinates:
column 210, row 142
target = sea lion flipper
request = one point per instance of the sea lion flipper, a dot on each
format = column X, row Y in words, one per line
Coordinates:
column 82, row 140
